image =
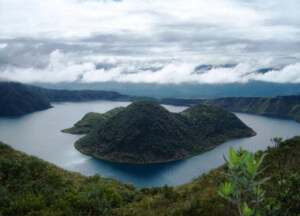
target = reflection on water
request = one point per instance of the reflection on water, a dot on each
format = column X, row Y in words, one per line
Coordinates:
column 39, row 134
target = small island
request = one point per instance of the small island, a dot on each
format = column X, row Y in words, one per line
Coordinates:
column 146, row 132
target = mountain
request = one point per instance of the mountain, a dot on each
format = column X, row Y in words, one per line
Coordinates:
column 91, row 121
column 280, row 106
column 146, row 132
column 18, row 99
column 188, row 90
column 31, row 186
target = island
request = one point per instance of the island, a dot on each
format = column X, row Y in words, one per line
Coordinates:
column 146, row 132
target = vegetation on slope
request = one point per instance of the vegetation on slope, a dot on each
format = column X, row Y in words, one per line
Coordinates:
column 200, row 197
column 18, row 99
column 280, row 106
column 30, row 186
column 146, row 132
column 91, row 121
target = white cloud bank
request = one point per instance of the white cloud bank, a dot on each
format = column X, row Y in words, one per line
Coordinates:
column 157, row 41
column 62, row 68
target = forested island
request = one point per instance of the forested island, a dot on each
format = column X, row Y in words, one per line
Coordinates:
column 146, row 132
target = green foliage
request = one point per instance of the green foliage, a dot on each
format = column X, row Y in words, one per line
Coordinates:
column 243, row 188
column 92, row 121
column 30, row 186
column 18, row 99
column 145, row 132
column 280, row 106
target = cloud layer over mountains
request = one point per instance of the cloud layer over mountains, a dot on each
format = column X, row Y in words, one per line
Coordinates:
column 169, row 41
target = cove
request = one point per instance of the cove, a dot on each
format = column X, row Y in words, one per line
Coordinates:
column 39, row 134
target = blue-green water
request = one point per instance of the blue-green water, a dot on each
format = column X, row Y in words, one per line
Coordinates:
column 39, row 134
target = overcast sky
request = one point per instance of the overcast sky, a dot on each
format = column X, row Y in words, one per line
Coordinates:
column 152, row 41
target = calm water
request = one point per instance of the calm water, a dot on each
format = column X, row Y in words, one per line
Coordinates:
column 39, row 134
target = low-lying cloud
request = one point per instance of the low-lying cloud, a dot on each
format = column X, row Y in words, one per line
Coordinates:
column 63, row 68
column 155, row 41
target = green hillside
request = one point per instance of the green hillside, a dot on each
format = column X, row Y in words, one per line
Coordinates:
column 280, row 106
column 30, row 186
column 91, row 121
column 146, row 132
column 18, row 99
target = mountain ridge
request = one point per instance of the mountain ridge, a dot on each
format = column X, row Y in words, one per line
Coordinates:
column 280, row 106
column 18, row 99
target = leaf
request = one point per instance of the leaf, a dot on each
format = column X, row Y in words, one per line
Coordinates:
column 261, row 159
column 227, row 188
column 247, row 211
column 252, row 168
column 234, row 158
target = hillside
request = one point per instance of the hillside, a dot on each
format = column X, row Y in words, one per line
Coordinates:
column 145, row 132
column 91, row 121
column 280, row 106
column 30, row 186
column 18, row 99
column 187, row 90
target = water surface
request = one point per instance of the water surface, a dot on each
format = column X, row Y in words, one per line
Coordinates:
column 39, row 134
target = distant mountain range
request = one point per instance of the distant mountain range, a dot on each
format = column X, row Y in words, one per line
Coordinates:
column 18, row 99
column 280, row 106
column 146, row 132
column 188, row 90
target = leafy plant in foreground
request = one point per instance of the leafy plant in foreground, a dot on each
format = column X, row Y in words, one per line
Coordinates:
column 243, row 189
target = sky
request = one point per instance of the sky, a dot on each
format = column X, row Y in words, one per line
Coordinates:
column 150, row 41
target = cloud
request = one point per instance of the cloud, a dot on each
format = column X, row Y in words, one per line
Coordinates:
column 63, row 68
column 289, row 74
column 149, row 41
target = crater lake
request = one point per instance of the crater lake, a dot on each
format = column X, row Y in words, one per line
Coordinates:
column 39, row 134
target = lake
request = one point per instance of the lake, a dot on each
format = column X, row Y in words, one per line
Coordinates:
column 39, row 134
